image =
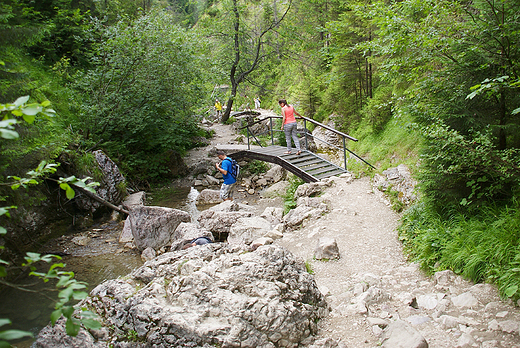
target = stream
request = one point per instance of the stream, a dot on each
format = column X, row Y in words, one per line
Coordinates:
column 94, row 255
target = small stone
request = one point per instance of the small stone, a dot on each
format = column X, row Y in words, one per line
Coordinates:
column 465, row 300
column 81, row 240
column 327, row 249
column 465, row 341
column 509, row 326
column 427, row 301
column 493, row 325
column 377, row 321
column 417, row 319
column 148, row 254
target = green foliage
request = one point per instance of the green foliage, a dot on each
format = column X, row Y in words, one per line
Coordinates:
column 393, row 196
column 68, row 286
column 399, row 142
column 434, row 52
column 482, row 246
column 11, row 335
column 308, row 267
column 467, row 168
column 70, row 289
column 138, row 102
column 289, row 200
column 256, row 167
column 378, row 110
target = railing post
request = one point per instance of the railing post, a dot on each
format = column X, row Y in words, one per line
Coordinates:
column 305, row 130
column 344, row 152
column 248, row 147
column 272, row 131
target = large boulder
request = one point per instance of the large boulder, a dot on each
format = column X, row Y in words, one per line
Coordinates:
column 154, row 226
column 220, row 222
column 246, row 230
column 212, row 295
column 187, row 232
column 208, row 196
column 130, row 202
column 312, row 189
column 135, row 199
column 398, row 179
column 277, row 190
column 401, row 335
column 111, row 184
column 275, row 174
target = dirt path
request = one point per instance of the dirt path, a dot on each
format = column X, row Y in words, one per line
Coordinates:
column 446, row 310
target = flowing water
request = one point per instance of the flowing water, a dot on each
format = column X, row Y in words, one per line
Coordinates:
column 94, row 256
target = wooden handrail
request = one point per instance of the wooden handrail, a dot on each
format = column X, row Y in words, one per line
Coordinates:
column 309, row 120
column 327, row 128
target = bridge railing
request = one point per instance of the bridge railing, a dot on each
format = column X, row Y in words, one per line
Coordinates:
column 271, row 131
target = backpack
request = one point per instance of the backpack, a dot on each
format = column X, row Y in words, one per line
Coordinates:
column 235, row 168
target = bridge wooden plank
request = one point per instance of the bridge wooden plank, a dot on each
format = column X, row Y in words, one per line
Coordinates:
column 329, row 174
column 323, row 170
column 308, row 166
column 313, row 161
column 317, row 166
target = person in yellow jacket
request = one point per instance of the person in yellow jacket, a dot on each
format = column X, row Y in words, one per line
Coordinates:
column 218, row 108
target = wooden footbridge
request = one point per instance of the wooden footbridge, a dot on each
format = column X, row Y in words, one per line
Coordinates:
column 307, row 165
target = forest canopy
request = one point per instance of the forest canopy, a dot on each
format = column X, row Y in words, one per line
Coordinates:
column 130, row 77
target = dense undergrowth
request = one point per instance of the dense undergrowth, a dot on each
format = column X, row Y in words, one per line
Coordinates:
column 482, row 246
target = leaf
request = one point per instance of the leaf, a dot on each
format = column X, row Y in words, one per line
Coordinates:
column 80, row 295
column 8, row 123
column 70, row 193
column 510, row 291
column 8, row 134
column 10, row 335
column 471, row 95
column 55, row 315
column 22, row 100
column 3, row 271
column 4, row 344
column 32, row 109
column 46, row 103
column 68, row 190
column 2, row 230
column 515, row 111
column 4, row 322
column 71, row 327
column 91, row 324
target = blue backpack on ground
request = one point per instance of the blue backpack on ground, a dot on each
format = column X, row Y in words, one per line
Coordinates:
column 235, row 168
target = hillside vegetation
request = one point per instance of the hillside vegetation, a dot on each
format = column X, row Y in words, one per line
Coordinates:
column 433, row 84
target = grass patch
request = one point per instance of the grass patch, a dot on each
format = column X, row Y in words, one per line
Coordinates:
column 483, row 245
column 308, row 267
column 289, row 200
column 256, row 167
column 397, row 143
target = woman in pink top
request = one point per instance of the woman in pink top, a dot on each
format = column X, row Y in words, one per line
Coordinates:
column 289, row 125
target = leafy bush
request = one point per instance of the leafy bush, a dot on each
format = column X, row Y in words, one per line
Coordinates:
column 467, row 168
column 256, row 167
column 137, row 102
column 378, row 110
